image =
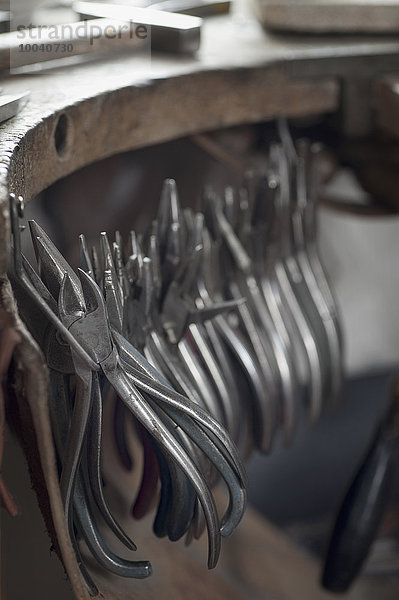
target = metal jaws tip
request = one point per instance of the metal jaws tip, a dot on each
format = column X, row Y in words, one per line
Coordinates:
column 169, row 195
column 52, row 264
column 91, row 292
column 134, row 246
column 286, row 139
column 169, row 211
column 85, row 259
column 69, row 304
column 108, row 262
column 69, row 301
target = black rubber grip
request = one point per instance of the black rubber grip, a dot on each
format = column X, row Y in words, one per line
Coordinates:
column 360, row 515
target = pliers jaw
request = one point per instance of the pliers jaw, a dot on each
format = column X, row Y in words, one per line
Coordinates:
column 86, row 262
column 69, row 307
column 90, row 327
column 52, row 265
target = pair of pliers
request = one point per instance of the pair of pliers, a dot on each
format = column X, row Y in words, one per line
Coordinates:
column 157, row 349
column 91, row 329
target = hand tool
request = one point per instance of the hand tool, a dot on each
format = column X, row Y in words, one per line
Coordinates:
column 276, row 351
column 315, row 306
column 83, row 310
column 169, row 32
column 361, row 511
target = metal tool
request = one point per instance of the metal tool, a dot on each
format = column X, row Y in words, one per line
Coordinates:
column 92, row 331
column 270, row 344
column 245, row 360
column 12, row 104
column 172, row 423
column 201, row 331
column 69, row 445
column 361, row 511
column 287, row 274
column 169, row 32
column 315, row 306
column 195, row 8
column 174, row 325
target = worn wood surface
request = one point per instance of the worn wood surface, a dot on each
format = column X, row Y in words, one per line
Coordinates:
column 258, row 563
column 241, row 75
column 83, row 113
column 325, row 16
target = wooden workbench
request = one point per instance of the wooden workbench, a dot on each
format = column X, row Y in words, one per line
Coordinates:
column 83, row 113
column 240, row 75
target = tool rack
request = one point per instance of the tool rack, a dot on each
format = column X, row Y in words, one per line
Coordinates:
column 82, row 114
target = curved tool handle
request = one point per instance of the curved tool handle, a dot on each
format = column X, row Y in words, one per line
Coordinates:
column 360, row 515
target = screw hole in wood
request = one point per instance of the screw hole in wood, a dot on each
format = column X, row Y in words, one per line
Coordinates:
column 61, row 135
